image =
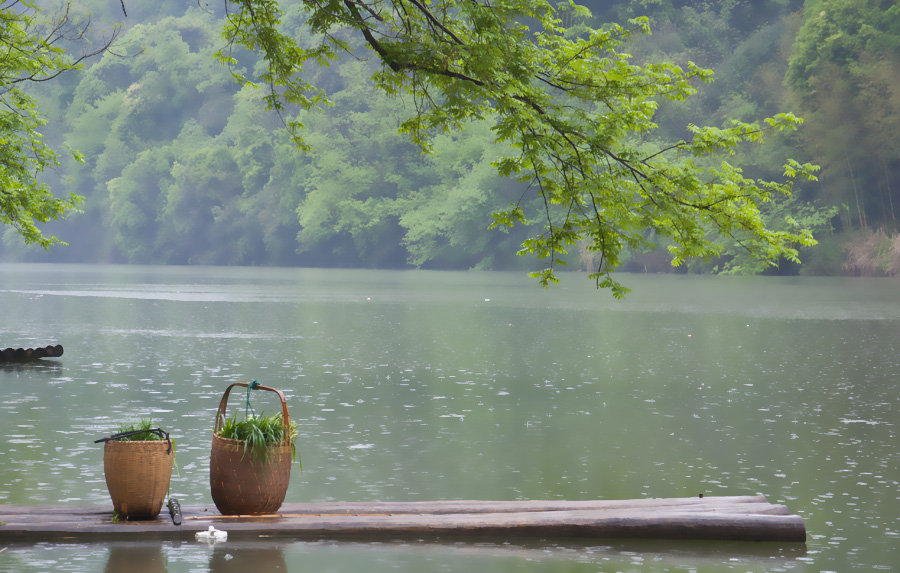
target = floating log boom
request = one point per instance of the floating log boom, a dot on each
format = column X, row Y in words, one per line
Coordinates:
column 28, row 354
column 734, row 518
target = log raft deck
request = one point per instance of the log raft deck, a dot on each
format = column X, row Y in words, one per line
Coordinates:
column 733, row 518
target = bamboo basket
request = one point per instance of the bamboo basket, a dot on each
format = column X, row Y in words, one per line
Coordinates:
column 137, row 476
column 240, row 483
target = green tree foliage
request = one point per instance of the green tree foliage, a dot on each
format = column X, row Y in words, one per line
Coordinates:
column 229, row 187
column 446, row 220
column 30, row 51
column 749, row 53
column 370, row 197
column 184, row 165
column 845, row 75
column 135, row 117
column 573, row 109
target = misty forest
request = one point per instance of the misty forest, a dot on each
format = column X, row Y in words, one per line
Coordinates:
column 184, row 165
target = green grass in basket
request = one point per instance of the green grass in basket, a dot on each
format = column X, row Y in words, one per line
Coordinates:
column 144, row 426
column 257, row 432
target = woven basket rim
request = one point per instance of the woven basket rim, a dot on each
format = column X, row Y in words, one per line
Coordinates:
column 127, row 443
column 135, row 442
column 231, row 441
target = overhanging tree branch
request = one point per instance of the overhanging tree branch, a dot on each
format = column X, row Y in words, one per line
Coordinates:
column 33, row 56
column 571, row 107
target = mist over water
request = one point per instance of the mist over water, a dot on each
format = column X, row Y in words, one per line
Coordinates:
column 442, row 385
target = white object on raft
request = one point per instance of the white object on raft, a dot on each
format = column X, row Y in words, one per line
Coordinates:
column 212, row 535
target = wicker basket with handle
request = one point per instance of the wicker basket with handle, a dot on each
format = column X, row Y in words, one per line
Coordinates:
column 137, row 475
column 240, row 482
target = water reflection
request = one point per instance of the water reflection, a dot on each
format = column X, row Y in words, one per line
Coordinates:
column 376, row 557
column 664, row 553
column 242, row 559
column 136, row 558
column 38, row 366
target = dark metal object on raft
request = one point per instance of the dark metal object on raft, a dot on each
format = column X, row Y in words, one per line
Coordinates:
column 28, row 354
column 175, row 511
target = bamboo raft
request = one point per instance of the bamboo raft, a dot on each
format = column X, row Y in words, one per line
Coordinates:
column 29, row 354
column 729, row 518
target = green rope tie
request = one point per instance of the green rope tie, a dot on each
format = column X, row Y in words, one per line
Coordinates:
column 248, row 408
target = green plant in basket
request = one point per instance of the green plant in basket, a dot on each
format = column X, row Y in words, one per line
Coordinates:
column 258, row 432
column 144, row 432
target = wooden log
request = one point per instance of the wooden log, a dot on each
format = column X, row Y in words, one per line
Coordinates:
column 584, row 524
column 27, row 354
column 737, row 519
column 757, row 503
column 480, row 506
column 736, row 509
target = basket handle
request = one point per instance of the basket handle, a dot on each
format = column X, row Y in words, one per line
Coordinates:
column 285, row 417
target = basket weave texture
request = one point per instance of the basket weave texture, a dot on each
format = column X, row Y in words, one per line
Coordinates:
column 137, row 476
column 241, row 483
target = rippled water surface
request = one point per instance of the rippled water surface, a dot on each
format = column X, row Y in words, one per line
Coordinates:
column 421, row 385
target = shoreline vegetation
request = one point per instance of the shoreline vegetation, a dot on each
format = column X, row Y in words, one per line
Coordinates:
column 873, row 253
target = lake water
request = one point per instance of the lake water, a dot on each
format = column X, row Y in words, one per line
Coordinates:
column 442, row 385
